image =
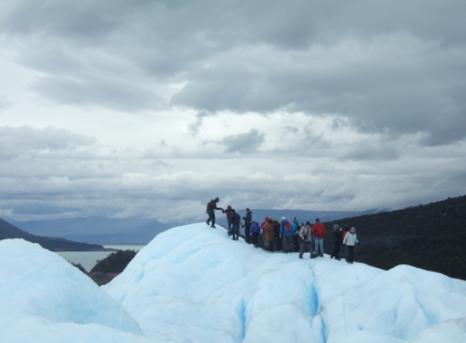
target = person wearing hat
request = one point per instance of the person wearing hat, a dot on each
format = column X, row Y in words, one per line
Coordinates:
column 337, row 241
column 350, row 240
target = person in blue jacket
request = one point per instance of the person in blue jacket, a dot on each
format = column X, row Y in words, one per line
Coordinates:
column 255, row 228
column 287, row 234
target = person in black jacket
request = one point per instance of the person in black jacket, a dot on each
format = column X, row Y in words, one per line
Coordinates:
column 247, row 225
column 211, row 207
column 337, row 241
column 230, row 214
column 276, row 245
column 235, row 223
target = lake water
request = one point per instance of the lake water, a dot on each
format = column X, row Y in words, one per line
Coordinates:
column 88, row 259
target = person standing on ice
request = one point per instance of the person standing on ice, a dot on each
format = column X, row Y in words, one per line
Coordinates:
column 295, row 239
column 235, row 223
column 287, row 233
column 276, row 236
column 305, row 239
column 262, row 242
column 268, row 235
column 247, row 225
column 337, row 241
column 230, row 214
column 318, row 232
column 211, row 207
column 350, row 240
column 255, row 228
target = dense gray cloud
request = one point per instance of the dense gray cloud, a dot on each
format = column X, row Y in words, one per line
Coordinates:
column 16, row 141
column 83, row 182
column 303, row 104
column 115, row 94
column 384, row 65
column 247, row 142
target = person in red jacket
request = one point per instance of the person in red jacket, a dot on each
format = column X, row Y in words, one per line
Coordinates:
column 318, row 232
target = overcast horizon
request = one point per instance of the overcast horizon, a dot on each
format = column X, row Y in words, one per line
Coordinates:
column 150, row 108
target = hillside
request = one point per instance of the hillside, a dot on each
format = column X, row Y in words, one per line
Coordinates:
column 105, row 270
column 431, row 236
column 8, row 230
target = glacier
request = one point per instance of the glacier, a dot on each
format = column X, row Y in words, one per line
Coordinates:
column 194, row 284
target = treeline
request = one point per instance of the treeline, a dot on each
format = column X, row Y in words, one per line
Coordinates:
column 105, row 270
column 431, row 236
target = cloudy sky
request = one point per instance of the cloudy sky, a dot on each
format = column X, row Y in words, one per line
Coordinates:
column 148, row 108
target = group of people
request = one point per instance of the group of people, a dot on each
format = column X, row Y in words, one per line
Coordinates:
column 285, row 235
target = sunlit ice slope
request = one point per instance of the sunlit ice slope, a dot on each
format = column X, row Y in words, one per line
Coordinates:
column 194, row 284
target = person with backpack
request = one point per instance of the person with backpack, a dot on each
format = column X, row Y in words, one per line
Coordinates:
column 287, row 233
column 229, row 214
column 350, row 240
column 235, row 224
column 247, row 225
column 210, row 210
column 255, row 228
column 305, row 239
column 318, row 232
column 337, row 241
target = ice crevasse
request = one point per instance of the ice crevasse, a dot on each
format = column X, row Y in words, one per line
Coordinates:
column 194, row 284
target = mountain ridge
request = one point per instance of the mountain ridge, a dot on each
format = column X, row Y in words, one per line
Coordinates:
column 8, row 230
column 103, row 230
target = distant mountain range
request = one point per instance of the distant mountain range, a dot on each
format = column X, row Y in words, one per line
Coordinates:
column 8, row 230
column 302, row 216
column 431, row 236
column 99, row 230
column 141, row 231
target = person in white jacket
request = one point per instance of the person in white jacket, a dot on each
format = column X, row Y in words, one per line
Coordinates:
column 350, row 240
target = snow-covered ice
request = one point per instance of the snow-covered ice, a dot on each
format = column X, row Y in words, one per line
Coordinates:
column 194, row 284
column 46, row 299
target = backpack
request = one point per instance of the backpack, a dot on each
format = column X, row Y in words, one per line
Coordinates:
column 287, row 226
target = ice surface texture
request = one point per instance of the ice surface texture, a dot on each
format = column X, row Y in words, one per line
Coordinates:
column 194, row 284
column 46, row 299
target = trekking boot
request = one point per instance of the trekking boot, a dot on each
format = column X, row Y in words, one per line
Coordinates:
column 212, row 226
